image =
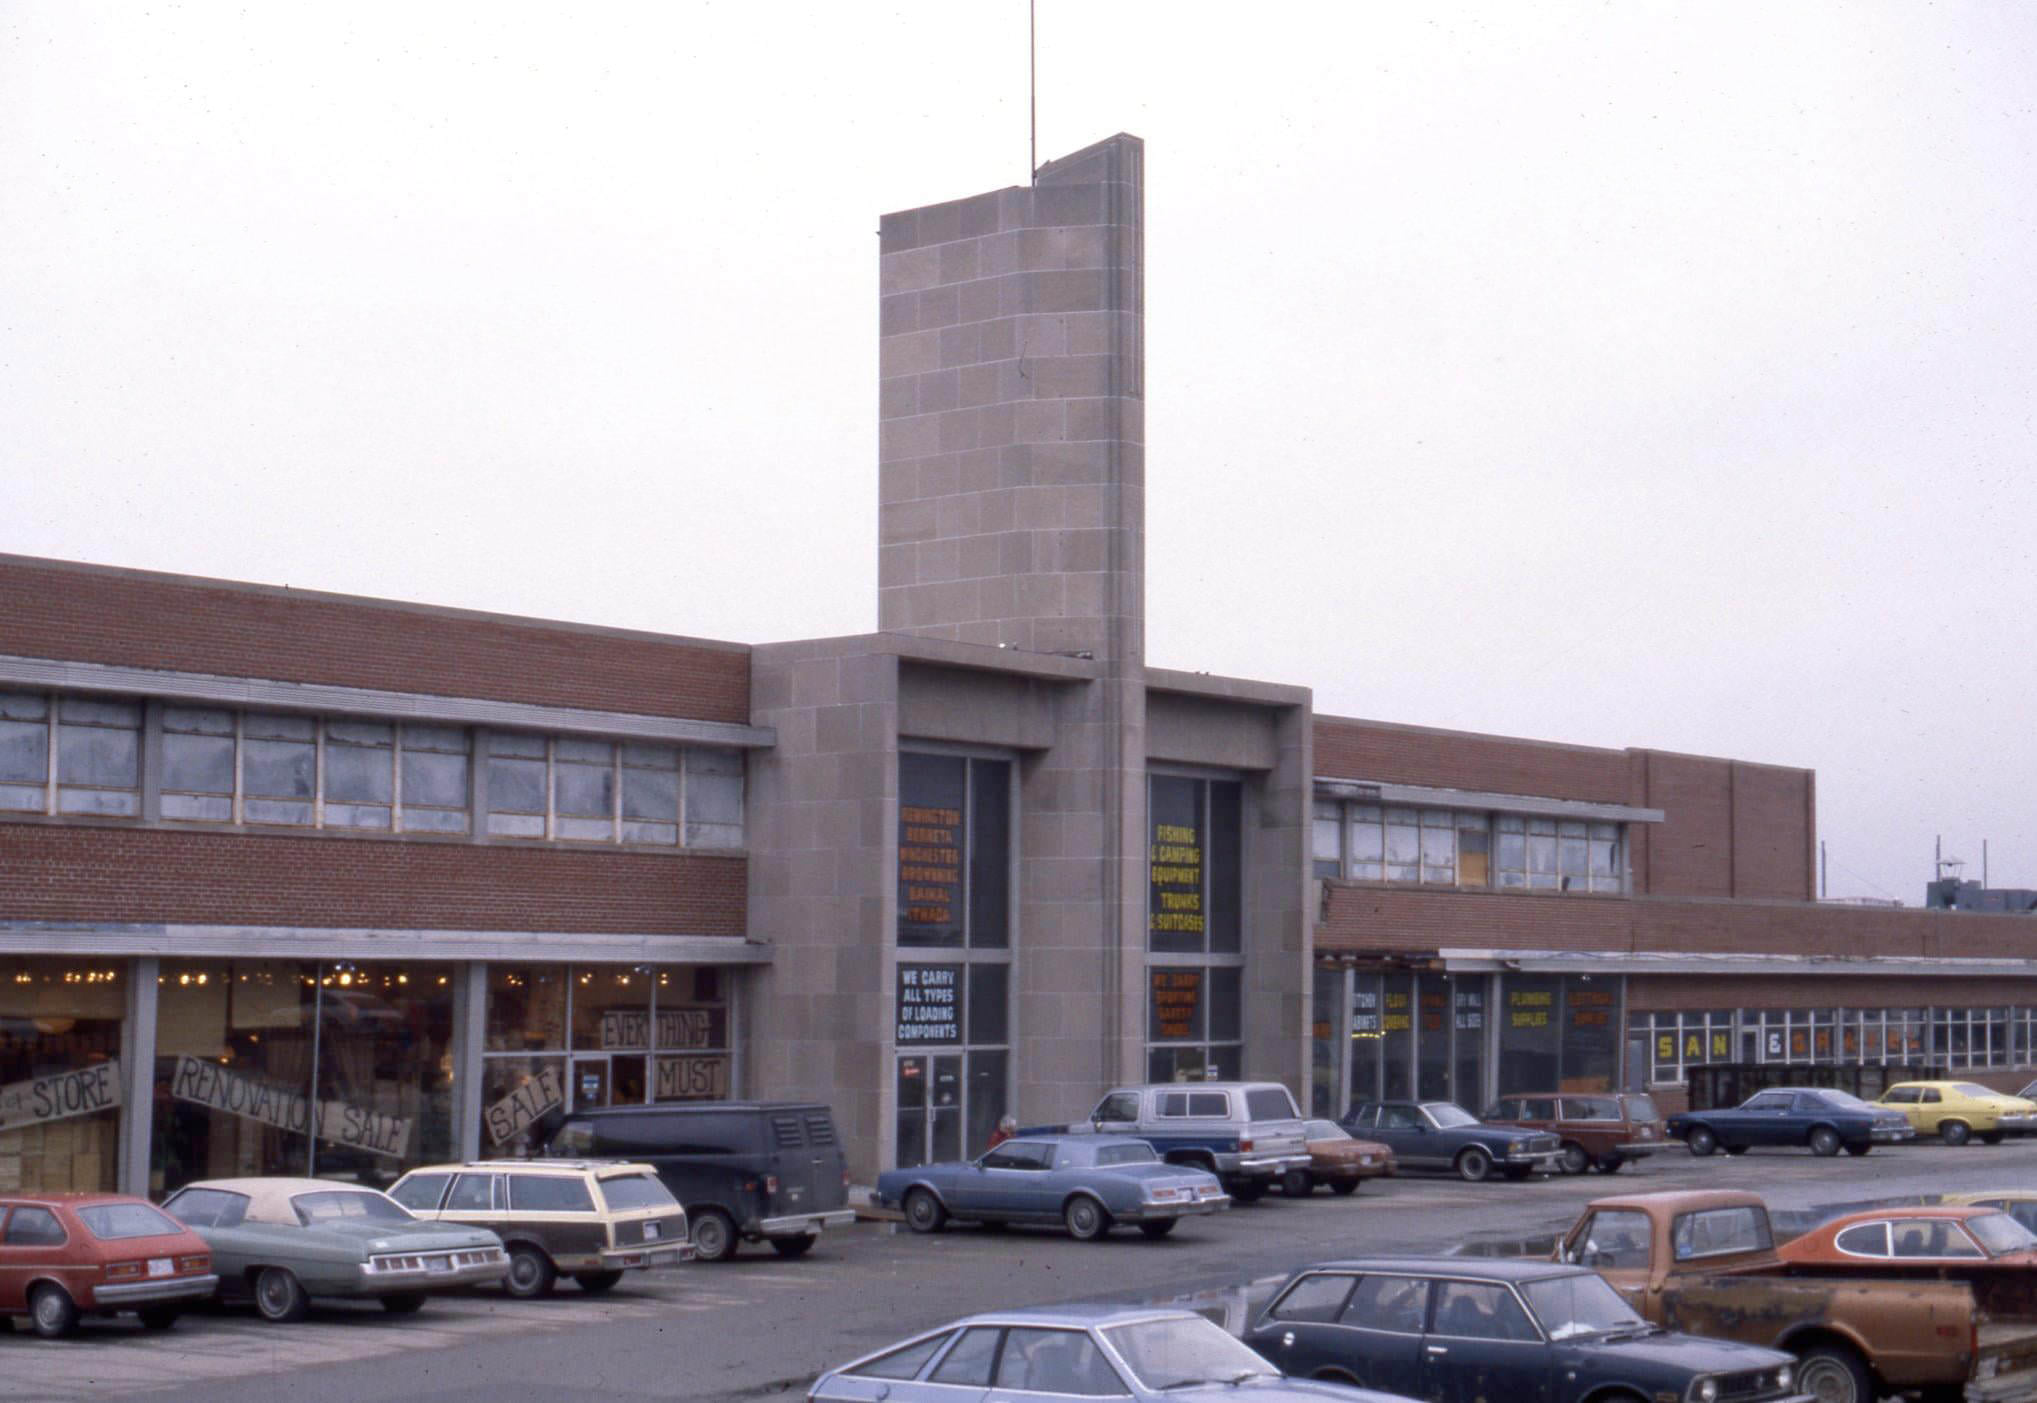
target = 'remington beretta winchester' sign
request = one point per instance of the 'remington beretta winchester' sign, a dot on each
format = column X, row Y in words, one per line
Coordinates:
column 208, row 1084
column 60, row 1096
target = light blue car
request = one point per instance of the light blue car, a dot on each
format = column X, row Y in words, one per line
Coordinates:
column 1089, row 1183
column 1132, row 1352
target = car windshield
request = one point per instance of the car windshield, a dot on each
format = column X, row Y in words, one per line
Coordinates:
column 328, row 1205
column 1325, row 1130
column 106, row 1221
column 1185, row 1350
column 1998, row 1233
column 1967, row 1088
column 1642, row 1108
column 627, row 1191
column 1579, row 1305
column 1447, row 1116
column 1126, row 1154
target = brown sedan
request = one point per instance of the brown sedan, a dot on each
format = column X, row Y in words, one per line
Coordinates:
column 1337, row 1159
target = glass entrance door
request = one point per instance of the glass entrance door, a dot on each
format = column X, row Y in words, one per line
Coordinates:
column 929, row 1109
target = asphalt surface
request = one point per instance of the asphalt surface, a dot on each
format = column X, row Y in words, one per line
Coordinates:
column 761, row 1328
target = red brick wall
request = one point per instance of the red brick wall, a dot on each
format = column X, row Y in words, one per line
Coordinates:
column 1364, row 917
column 93, row 614
column 63, row 872
column 1377, row 750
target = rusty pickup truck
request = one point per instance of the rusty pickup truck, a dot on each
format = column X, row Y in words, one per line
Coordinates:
column 1705, row 1263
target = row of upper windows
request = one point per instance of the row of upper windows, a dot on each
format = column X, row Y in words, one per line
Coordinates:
column 64, row 754
column 1467, row 848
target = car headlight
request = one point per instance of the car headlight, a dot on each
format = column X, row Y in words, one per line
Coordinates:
column 1783, row 1377
column 1518, row 1147
column 1705, row 1390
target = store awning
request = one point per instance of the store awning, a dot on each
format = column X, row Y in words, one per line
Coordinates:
column 368, row 943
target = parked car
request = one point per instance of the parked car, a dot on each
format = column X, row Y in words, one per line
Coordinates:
column 1248, row 1134
column 1958, row 1111
column 1823, row 1119
column 1941, row 1240
column 1440, row 1135
column 1456, row 1329
column 746, row 1171
column 1132, row 1352
column 590, row 1219
column 1605, row 1131
column 63, row 1255
column 1089, row 1183
column 2020, row 1204
column 280, row 1242
column 1705, row 1261
column 1338, row 1158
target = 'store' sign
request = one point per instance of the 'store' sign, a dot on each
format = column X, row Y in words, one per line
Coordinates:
column 60, row 1096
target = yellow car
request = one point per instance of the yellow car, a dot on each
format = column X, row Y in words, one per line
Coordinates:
column 1957, row 1111
column 2020, row 1204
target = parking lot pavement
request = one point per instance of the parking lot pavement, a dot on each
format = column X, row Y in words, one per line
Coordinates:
column 760, row 1327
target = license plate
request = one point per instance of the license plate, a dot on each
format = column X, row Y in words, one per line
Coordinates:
column 161, row 1266
column 438, row 1264
column 650, row 1231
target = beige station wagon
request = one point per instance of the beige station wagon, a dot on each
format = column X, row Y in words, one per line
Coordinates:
column 591, row 1220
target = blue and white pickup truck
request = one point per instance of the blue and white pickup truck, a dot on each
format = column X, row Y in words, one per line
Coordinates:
column 1247, row 1133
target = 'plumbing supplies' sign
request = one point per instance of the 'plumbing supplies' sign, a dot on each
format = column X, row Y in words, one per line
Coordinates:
column 60, row 1096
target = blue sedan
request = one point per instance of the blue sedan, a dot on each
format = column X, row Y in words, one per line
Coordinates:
column 1089, row 1183
column 1819, row 1117
column 1133, row 1352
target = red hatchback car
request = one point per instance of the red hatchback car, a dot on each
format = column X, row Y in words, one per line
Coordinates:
column 64, row 1255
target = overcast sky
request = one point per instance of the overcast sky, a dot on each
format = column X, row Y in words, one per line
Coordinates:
column 1630, row 375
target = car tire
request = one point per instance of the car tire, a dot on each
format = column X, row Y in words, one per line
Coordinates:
column 279, row 1296
column 1343, row 1188
column 531, row 1273
column 159, row 1317
column 1154, row 1231
column 1834, row 1373
column 794, row 1246
column 52, row 1311
column 1703, row 1141
column 1086, row 1219
column 923, row 1212
column 714, row 1235
column 1297, row 1183
column 404, row 1303
column 597, row 1283
column 1574, row 1160
column 1825, row 1141
column 1474, row 1165
column 1954, row 1132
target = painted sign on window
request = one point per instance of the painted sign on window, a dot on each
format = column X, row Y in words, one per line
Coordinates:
column 518, row 1111
column 931, row 848
column 60, row 1096
column 929, row 1004
column 344, row 1123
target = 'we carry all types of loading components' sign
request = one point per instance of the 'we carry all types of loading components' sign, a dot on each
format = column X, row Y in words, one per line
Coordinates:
column 60, row 1096
column 208, row 1084
column 929, row 1004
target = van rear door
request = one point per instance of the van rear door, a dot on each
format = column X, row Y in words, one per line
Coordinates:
column 805, row 1156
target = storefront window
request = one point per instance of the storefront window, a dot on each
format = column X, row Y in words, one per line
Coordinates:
column 1591, row 1031
column 1367, row 1036
column 1325, row 1046
column 285, row 1067
column 1193, row 1022
column 951, row 1018
column 1397, row 1036
column 60, row 1084
column 1530, row 1033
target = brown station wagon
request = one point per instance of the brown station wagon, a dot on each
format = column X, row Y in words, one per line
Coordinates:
column 1601, row 1130
column 591, row 1220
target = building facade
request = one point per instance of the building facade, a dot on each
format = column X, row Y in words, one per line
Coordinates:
column 298, row 883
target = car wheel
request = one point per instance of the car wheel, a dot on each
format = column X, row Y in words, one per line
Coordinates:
column 714, row 1235
column 1954, row 1132
column 923, row 1212
column 1086, row 1219
column 1834, row 1373
column 159, row 1317
column 1474, row 1166
column 1343, row 1188
column 1703, row 1141
column 1825, row 1142
column 51, row 1311
column 794, row 1246
column 1160, row 1229
column 404, row 1303
column 279, row 1296
column 531, row 1273
column 1297, row 1183
column 1574, row 1160
column 596, row 1283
